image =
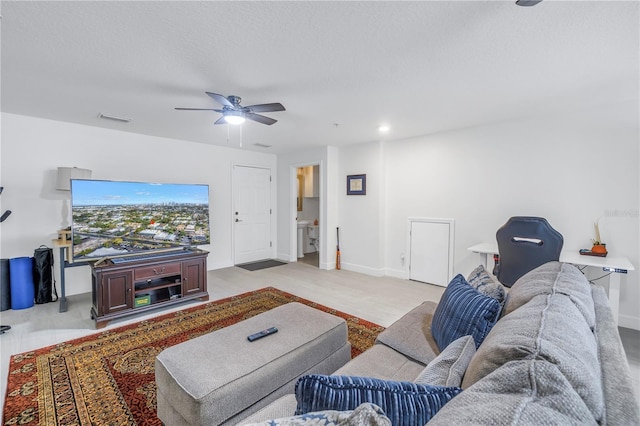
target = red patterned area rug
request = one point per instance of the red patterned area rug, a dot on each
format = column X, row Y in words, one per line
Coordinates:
column 108, row 378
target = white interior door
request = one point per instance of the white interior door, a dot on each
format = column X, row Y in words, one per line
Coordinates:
column 431, row 249
column 251, row 214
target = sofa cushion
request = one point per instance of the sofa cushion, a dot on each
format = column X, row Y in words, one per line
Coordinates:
column 557, row 278
column 526, row 392
column 382, row 362
column 411, row 334
column 549, row 327
column 463, row 310
column 284, row 406
column 364, row 414
column 485, row 283
column 448, row 368
column 405, row 403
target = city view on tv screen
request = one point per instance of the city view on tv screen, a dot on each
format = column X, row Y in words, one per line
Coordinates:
column 111, row 218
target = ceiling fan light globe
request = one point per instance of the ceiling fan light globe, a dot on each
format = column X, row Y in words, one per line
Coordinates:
column 234, row 119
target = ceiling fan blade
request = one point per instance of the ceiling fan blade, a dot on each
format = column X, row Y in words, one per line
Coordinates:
column 220, row 99
column 260, row 118
column 199, row 109
column 220, row 120
column 276, row 106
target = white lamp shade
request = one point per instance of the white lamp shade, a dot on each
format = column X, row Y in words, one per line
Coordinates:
column 65, row 174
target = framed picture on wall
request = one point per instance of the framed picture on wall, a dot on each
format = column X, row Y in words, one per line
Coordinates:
column 357, row 185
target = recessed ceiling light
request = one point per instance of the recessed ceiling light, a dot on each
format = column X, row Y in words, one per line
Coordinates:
column 114, row 118
column 384, row 128
column 527, row 2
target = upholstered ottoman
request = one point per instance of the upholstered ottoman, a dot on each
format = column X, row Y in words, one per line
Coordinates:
column 221, row 377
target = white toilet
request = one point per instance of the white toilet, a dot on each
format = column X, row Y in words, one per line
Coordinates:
column 312, row 239
column 302, row 232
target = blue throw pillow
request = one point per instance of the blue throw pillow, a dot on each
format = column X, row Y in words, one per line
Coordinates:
column 463, row 310
column 404, row 403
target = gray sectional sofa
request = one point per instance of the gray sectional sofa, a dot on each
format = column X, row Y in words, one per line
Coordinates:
column 553, row 357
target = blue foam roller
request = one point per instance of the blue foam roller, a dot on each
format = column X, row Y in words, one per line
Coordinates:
column 21, row 277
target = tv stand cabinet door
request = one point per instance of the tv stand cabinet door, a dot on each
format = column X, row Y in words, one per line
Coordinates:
column 194, row 278
column 117, row 292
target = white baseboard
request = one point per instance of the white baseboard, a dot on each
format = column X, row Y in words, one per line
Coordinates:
column 397, row 273
column 627, row 321
column 285, row 257
column 376, row 272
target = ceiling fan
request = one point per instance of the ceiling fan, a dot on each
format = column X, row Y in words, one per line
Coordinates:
column 234, row 113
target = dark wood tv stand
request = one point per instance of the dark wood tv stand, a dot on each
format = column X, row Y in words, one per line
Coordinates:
column 120, row 286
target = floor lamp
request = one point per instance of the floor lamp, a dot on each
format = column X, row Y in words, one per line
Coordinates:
column 65, row 176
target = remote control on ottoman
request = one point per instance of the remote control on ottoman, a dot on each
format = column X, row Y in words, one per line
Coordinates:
column 261, row 334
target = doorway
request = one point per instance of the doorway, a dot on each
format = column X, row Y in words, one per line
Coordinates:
column 308, row 242
column 251, row 214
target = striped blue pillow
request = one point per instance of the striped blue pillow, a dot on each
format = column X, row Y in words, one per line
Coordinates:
column 404, row 403
column 463, row 310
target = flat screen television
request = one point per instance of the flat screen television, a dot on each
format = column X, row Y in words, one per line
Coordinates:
column 112, row 218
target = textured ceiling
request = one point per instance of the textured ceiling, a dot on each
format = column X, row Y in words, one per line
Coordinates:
column 421, row 67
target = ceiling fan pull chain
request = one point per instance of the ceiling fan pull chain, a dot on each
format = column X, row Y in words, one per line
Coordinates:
column 240, row 136
column 227, row 133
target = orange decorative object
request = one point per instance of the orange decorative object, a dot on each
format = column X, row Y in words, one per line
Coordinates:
column 599, row 248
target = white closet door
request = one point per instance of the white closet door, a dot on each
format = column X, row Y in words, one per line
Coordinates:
column 431, row 250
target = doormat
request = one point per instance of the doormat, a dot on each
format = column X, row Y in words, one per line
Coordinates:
column 108, row 378
column 261, row 264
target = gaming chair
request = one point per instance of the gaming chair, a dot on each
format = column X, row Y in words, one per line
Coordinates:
column 524, row 243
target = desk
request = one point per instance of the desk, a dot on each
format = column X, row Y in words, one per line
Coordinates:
column 615, row 265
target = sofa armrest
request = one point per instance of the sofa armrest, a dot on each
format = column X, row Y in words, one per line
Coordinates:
column 620, row 399
column 411, row 334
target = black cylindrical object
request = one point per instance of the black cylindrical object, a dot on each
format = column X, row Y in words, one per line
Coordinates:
column 5, row 285
column 43, row 274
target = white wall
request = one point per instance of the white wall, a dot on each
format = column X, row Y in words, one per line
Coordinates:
column 573, row 170
column 33, row 148
column 361, row 218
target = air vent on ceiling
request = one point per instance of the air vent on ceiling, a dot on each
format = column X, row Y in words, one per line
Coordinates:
column 114, row 118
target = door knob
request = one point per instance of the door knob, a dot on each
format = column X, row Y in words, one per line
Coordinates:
column 238, row 220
